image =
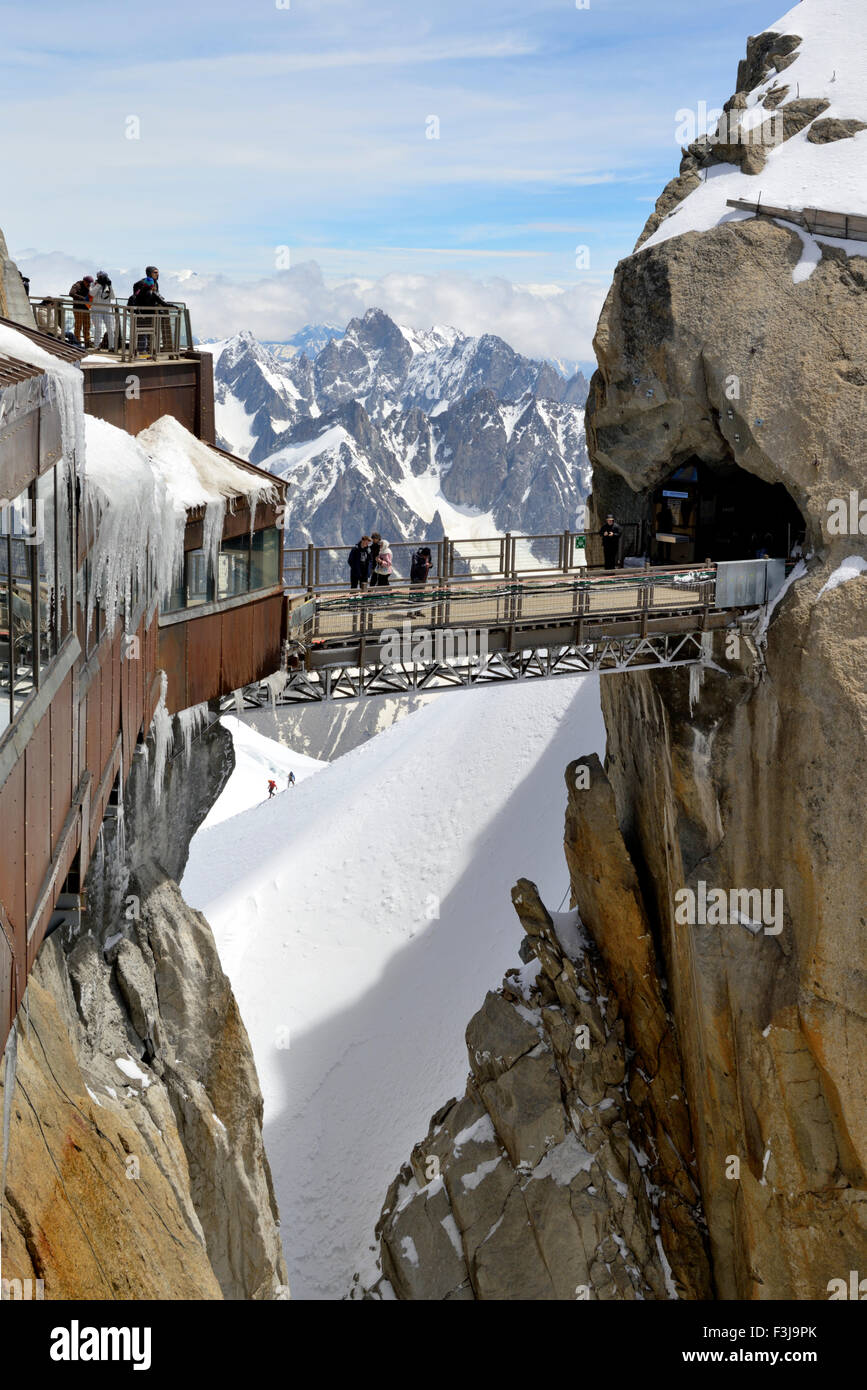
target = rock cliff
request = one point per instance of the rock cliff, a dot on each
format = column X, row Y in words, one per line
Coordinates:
column 134, row 1163
column 733, row 1050
column 543, row 1181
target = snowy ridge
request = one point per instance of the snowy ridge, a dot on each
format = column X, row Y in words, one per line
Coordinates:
column 830, row 64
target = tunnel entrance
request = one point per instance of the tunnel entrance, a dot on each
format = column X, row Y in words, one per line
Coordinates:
column 721, row 513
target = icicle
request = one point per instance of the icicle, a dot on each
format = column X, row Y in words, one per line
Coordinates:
column 276, row 684
column 239, row 703
column 162, row 732
column 191, row 722
column 696, row 672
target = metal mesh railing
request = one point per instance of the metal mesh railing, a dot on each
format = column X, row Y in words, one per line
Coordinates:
column 116, row 330
column 461, row 560
column 510, row 602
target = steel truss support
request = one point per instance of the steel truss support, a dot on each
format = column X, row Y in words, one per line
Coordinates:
column 607, row 655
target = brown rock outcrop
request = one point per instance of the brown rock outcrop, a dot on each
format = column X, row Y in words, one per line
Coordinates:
column 136, row 1166
column 543, row 1181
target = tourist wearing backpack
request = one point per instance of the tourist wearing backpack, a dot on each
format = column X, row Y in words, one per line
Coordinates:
column 420, row 565
column 102, row 313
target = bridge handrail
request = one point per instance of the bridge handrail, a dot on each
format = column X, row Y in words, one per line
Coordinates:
column 568, row 552
column 667, row 590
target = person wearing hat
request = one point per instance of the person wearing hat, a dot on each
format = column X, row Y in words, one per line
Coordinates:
column 102, row 315
column 81, row 295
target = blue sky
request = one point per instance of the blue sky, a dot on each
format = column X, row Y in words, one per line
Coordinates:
column 305, row 127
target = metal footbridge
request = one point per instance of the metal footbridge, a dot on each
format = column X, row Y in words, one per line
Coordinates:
column 436, row 636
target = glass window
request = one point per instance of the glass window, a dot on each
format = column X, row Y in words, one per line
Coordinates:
column 22, row 565
column 265, row 559
column 5, row 624
column 199, row 588
column 65, row 549
column 234, row 567
column 178, row 596
column 44, row 537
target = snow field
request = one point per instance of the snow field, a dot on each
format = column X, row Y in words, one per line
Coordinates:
column 362, row 917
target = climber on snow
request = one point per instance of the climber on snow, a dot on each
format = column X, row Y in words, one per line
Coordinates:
column 272, row 787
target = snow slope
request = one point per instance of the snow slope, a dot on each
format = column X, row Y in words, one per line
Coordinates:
column 831, row 62
column 355, row 993
column 257, row 759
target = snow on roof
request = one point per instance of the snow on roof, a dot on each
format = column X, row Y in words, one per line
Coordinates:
column 65, row 385
column 137, row 492
column 831, row 63
column 197, row 474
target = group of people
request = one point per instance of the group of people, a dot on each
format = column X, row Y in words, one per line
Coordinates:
column 94, row 307
column 272, row 785
column 371, row 563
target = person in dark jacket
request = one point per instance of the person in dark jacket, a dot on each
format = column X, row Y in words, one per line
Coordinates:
column 359, row 564
column 81, row 295
column 420, row 565
column 145, row 295
column 151, row 273
column 610, row 534
column 375, row 544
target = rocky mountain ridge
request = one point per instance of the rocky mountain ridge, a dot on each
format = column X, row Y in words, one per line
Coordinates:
column 410, row 433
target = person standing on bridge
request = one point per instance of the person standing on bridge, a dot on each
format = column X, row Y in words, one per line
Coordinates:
column 610, row 534
column 384, row 565
column 359, row 564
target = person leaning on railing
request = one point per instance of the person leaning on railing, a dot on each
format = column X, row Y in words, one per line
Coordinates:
column 145, row 296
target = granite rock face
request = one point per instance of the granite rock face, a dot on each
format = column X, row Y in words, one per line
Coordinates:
column 712, row 349
column 136, row 1166
column 542, row 1181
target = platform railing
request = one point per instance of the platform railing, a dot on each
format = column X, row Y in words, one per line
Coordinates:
column 507, row 603
column 122, row 331
column 316, row 568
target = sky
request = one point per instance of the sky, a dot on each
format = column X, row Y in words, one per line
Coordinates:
column 483, row 164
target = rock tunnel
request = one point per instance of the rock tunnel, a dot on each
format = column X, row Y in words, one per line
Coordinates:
column 702, row 511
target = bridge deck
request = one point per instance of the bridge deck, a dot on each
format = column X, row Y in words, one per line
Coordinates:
column 481, row 604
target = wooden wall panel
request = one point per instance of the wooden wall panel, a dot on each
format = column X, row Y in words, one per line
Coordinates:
column 173, row 660
column 236, row 642
column 37, row 812
column 61, row 756
column 203, row 660
column 12, row 859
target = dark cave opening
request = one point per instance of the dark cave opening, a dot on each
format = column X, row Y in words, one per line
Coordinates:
column 720, row 512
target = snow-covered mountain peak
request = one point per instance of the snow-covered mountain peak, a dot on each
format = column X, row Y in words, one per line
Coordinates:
column 411, row 430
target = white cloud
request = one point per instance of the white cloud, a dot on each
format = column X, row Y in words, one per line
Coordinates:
column 540, row 320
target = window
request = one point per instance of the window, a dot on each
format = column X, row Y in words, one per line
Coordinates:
column 19, row 544
column 244, row 563
column 234, row 567
column 199, row 586
column 265, row 559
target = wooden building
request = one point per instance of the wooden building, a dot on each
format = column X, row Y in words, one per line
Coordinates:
column 75, row 698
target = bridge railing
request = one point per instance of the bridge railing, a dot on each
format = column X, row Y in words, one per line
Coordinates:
column 506, row 603
column 127, row 331
column 316, row 568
